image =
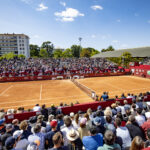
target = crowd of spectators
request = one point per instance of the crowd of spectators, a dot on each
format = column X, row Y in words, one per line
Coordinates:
column 146, row 61
column 113, row 128
column 20, row 67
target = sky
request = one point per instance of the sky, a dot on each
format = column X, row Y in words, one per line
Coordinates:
column 100, row 23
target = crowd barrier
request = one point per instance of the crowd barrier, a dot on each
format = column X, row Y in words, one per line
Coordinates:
column 141, row 70
column 57, row 77
column 66, row 110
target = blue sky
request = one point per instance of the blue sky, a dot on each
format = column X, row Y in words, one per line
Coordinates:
column 120, row 23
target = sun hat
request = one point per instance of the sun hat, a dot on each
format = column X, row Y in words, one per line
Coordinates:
column 97, row 121
column 72, row 114
column 72, row 135
column 53, row 123
column 147, row 114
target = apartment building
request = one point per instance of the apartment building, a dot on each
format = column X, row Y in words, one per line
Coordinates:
column 16, row 43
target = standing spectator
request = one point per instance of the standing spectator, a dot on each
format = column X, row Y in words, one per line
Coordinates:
column 139, row 117
column 134, row 128
column 137, row 143
column 15, row 123
column 75, row 141
column 123, row 133
column 93, row 141
column 58, row 140
column 75, row 122
column 24, row 127
column 146, row 124
column 110, row 144
column 40, row 119
column 147, row 143
column 83, row 131
column 66, row 128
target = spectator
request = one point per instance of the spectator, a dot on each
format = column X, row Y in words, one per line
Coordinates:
column 83, row 131
column 44, row 112
column 93, row 141
column 10, row 143
column 75, row 141
column 58, row 140
column 15, row 123
column 37, row 108
column 134, row 128
column 147, row 143
column 139, row 117
column 40, row 119
column 146, row 124
column 137, row 143
column 110, row 144
column 123, row 133
column 104, row 96
column 75, row 122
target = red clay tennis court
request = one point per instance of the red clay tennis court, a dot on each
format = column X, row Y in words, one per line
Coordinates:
column 27, row 94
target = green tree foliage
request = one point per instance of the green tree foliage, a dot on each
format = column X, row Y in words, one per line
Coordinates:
column 85, row 52
column 58, row 53
column 126, row 58
column 49, row 47
column 94, row 52
column 43, row 53
column 110, row 48
column 76, row 49
column 34, row 50
column 67, row 53
column 9, row 56
column 21, row 56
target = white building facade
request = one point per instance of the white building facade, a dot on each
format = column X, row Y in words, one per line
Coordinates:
column 16, row 43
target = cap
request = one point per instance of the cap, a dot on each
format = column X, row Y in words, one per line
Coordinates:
column 72, row 114
column 97, row 121
column 17, row 133
column 53, row 123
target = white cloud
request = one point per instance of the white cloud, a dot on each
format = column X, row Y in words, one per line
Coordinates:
column 68, row 15
column 63, row 4
column 27, row 1
column 93, row 36
column 41, row 7
column 118, row 20
column 97, row 7
column 148, row 21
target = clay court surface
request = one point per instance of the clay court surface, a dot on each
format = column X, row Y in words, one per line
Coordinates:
column 27, row 94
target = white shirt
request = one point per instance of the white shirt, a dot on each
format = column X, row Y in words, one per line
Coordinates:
column 123, row 132
column 140, row 119
column 36, row 108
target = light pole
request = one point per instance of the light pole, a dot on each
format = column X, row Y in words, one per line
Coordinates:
column 80, row 39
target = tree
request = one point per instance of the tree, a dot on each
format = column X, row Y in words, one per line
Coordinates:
column 8, row 56
column 34, row 50
column 21, row 56
column 126, row 58
column 43, row 53
column 94, row 52
column 110, row 48
column 49, row 48
column 58, row 53
column 76, row 49
column 85, row 52
column 67, row 53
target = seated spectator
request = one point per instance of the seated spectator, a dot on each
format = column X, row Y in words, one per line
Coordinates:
column 137, row 143
column 52, row 110
column 57, row 141
column 123, row 96
column 83, row 131
column 139, row 117
column 75, row 141
column 93, row 141
column 108, row 112
column 37, row 108
column 40, row 119
column 104, row 97
column 126, row 105
column 134, row 128
column 123, row 133
column 110, row 144
column 44, row 112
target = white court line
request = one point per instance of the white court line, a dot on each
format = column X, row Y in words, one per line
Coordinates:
column 34, row 104
column 14, row 101
column 41, row 92
column 6, row 90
